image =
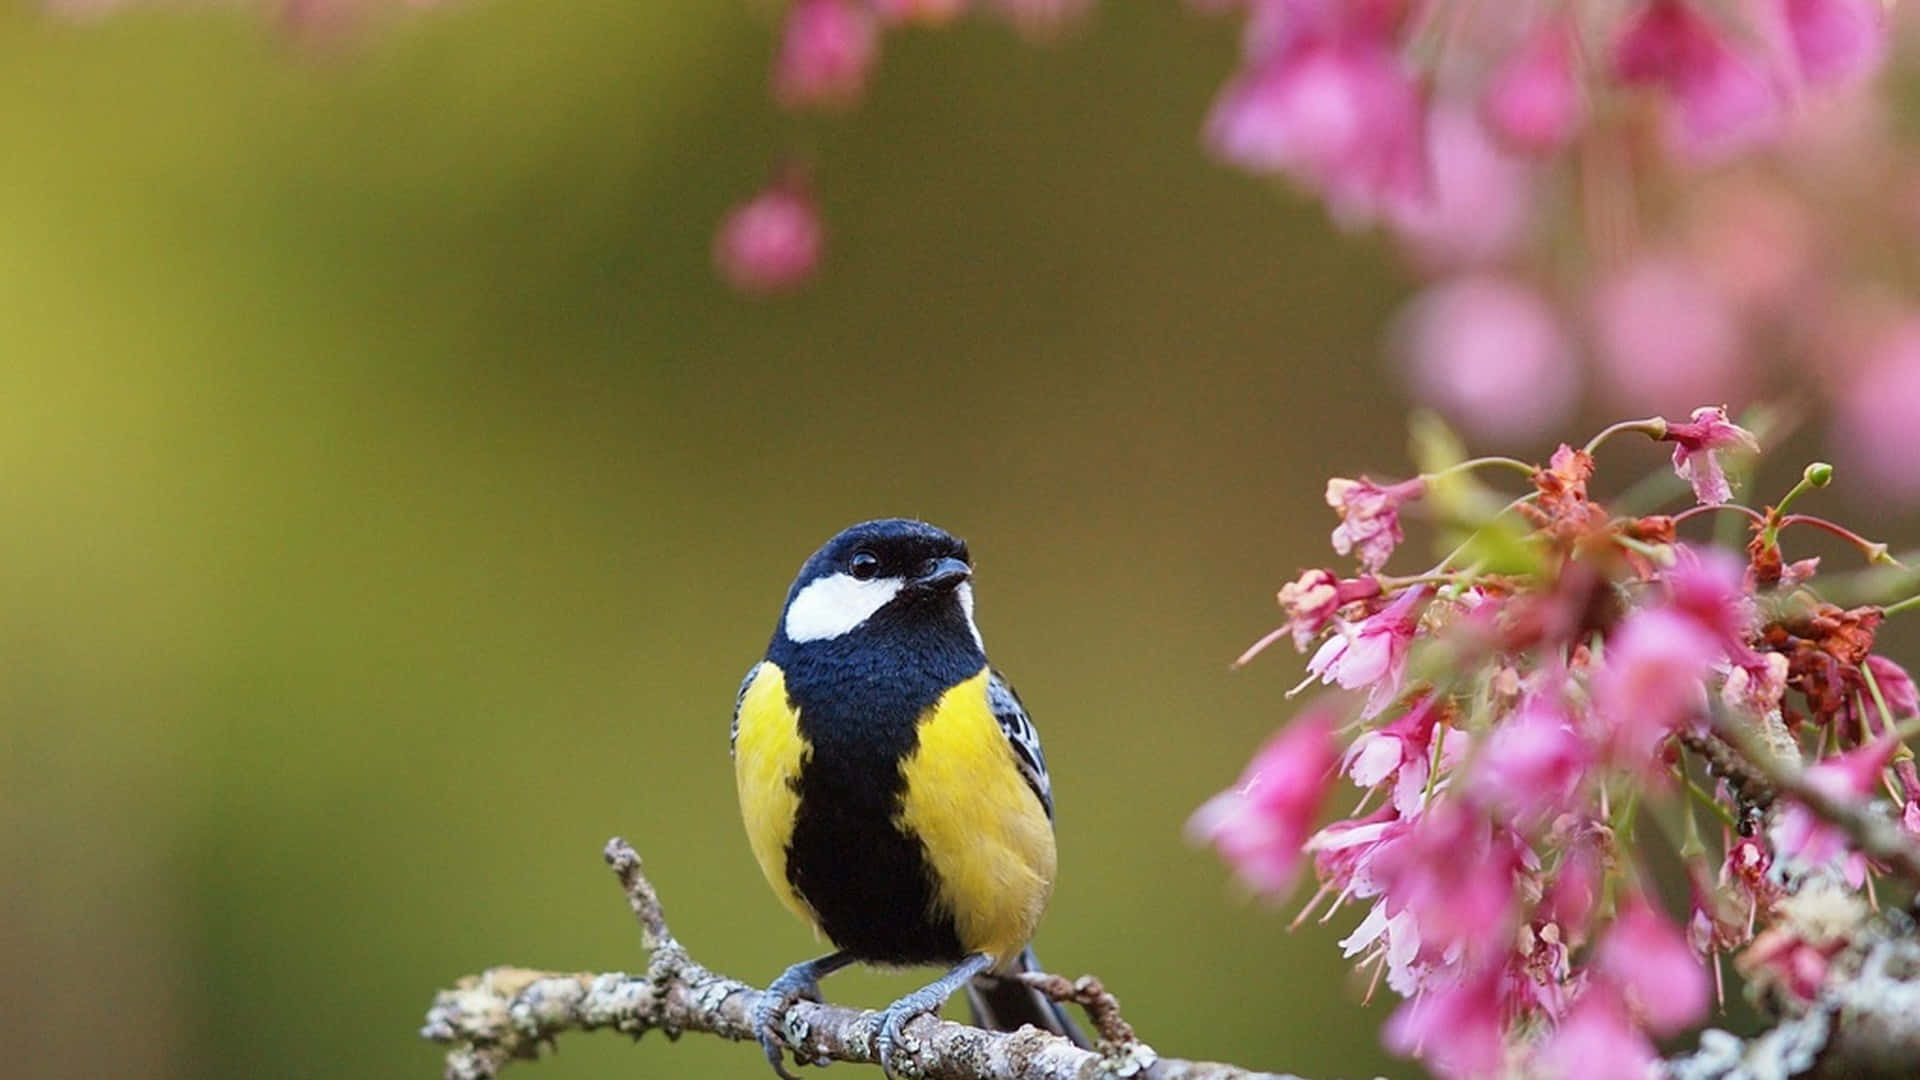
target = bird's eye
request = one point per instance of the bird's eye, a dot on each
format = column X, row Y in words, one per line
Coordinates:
column 864, row 565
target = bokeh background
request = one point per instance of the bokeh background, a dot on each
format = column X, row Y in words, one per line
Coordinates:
column 393, row 500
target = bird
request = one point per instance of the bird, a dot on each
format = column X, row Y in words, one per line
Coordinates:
column 893, row 787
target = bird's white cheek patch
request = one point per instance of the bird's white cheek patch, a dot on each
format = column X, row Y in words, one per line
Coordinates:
column 965, row 592
column 831, row 606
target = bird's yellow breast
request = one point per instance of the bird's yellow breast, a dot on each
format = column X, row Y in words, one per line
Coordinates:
column 987, row 838
column 767, row 753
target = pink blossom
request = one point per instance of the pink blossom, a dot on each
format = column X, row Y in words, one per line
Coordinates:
column 1597, row 1041
column 1540, row 971
column 1478, row 200
column 1648, row 958
column 1909, row 779
column 1836, row 40
column 1458, row 1029
column 1781, row 957
column 1664, row 337
column 1532, row 763
column 1455, row 872
column 1708, row 585
column 1695, row 443
column 1370, row 516
column 1877, row 430
column 1720, row 100
column 1896, row 687
column 1340, row 114
column 1651, row 680
column 1490, row 353
column 1394, row 939
column 1570, row 900
column 1402, row 752
column 1745, row 875
column 1372, row 654
column 771, row 243
column 1261, row 824
column 1535, row 101
column 1801, row 834
column 1757, row 683
column 826, row 52
column 1311, row 601
column 1344, row 851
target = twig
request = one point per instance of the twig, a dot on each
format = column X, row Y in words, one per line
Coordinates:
column 504, row 1014
column 1876, row 836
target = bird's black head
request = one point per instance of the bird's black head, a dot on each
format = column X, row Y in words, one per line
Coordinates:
column 894, row 575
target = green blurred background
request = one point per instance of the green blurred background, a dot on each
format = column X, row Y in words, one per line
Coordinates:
column 393, row 501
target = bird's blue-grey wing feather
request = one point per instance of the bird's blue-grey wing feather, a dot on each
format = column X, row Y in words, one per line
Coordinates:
column 733, row 736
column 1022, row 736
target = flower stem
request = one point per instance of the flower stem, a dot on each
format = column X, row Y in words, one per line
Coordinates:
column 1899, row 606
column 1875, row 551
column 1526, row 468
column 1704, row 508
column 1654, row 427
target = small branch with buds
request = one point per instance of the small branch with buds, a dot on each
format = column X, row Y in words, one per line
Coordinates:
column 504, row 1014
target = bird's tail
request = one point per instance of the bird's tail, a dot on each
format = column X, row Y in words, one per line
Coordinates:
column 1001, row 1004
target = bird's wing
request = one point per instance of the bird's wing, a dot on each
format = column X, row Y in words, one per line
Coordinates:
column 1022, row 736
column 733, row 736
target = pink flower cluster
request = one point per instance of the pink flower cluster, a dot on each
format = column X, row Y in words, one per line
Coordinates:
column 1524, row 739
column 1507, row 148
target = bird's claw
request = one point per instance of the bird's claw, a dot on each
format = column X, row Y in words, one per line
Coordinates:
column 769, row 1016
column 892, row 1031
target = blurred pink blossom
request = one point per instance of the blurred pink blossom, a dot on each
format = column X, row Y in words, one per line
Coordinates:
column 1877, row 428
column 1532, row 763
column 1477, row 203
column 1800, row 834
column 1261, row 824
column 1651, row 680
column 771, row 243
column 1596, row 1041
column 1339, row 114
column 1489, row 353
column 1535, row 101
column 1896, row 687
column 1458, row 1028
column 1457, row 872
column 1720, row 99
column 1647, row 957
column 826, row 52
column 1664, row 337
column 1836, row 40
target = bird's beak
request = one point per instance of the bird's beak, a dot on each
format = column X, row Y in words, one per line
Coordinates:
column 942, row 574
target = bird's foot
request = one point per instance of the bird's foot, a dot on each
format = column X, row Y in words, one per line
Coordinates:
column 801, row 982
column 928, row 999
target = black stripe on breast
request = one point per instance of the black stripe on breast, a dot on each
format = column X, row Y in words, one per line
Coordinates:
column 858, row 699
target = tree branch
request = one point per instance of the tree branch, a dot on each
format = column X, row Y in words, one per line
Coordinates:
column 1867, row 1024
column 504, row 1014
column 1876, row 835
